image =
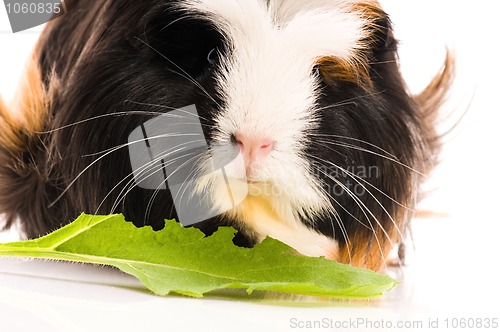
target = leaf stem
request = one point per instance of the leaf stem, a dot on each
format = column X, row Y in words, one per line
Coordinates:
column 44, row 253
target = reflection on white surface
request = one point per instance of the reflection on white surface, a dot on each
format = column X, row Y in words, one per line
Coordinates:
column 452, row 273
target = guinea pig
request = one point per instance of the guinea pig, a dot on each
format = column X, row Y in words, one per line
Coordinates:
column 334, row 148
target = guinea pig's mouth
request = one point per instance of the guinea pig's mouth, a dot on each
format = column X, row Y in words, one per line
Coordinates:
column 251, row 181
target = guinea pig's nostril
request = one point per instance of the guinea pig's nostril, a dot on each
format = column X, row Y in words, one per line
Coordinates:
column 234, row 140
column 266, row 145
column 253, row 147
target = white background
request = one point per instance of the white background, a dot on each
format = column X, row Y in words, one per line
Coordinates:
column 452, row 273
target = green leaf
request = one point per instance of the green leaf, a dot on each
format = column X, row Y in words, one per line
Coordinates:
column 182, row 260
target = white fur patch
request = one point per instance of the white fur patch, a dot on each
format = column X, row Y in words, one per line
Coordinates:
column 270, row 90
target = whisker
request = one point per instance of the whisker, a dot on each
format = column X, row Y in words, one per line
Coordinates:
column 364, row 210
column 149, row 138
column 356, row 199
column 339, row 222
column 163, row 106
column 355, row 140
column 173, row 22
column 147, row 168
column 98, row 117
column 369, row 184
column 349, row 101
column 162, row 166
column 343, row 230
column 158, row 189
column 355, row 147
column 129, row 183
column 382, row 62
column 107, row 153
column 354, row 177
column 123, row 113
column 138, row 172
column 146, row 171
column 184, row 185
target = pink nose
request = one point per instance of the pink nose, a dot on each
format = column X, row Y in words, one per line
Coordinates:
column 253, row 148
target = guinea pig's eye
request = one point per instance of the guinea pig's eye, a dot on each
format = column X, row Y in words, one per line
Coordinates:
column 213, row 56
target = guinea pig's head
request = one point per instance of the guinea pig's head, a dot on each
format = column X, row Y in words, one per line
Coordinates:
column 331, row 147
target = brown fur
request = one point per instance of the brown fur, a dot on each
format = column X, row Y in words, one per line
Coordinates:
column 430, row 101
column 371, row 10
column 28, row 113
column 334, row 69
